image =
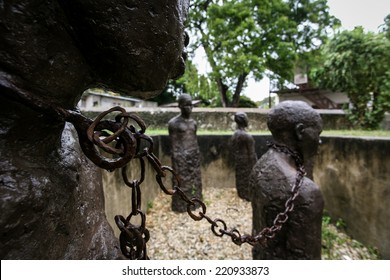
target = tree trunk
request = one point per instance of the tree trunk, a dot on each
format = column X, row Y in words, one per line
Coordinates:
column 237, row 92
column 222, row 88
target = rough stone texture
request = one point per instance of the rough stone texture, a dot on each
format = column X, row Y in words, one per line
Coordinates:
column 185, row 154
column 354, row 175
column 244, row 156
column 52, row 204
column 300, row 238
column 295, row 129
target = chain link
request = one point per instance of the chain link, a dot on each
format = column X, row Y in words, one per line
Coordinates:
column 122, row 141
column 133, row 238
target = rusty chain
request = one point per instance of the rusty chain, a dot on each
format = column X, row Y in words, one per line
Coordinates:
column 133, row 238
column 123, row 141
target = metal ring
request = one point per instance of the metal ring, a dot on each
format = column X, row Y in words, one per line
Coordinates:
column 192, row 204
column 126, row 139
column 213, row 226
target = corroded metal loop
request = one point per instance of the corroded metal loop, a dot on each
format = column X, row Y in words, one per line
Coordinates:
column 134, row 117
column 289, row 205
column 132, row 238
column 211, row 222
column 132, row 183
column 132, row 244
column 281, row 218
column 162, row 186
column 156, row 164
column 161, row 174
column 193, row 202
column 91, row 129
column 236, row 237
column 143, row 218
column 146, row 150
column 268, row 233
column 183, row 196
column 125, row 141
column 251, row 240
column 135, row 198
column 215, row 225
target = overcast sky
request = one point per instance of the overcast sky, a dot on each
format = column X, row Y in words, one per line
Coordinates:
column 367, row 13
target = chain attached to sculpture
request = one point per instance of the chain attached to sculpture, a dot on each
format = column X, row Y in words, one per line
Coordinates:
column 123, row 142
column 133, row 238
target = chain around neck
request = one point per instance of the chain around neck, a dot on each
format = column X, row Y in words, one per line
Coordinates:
column 297, row 156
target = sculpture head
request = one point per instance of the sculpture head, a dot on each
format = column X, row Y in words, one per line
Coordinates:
column 241, row 119
column 58, row 49
column 185, row 105
column 296, row 125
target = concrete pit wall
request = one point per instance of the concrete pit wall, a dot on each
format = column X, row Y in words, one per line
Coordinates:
column 223, row 118
column 353, row 173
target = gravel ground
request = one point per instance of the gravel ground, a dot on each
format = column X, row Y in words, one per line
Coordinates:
column 177, row 236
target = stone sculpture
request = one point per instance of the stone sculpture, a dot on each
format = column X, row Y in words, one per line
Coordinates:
column 243, row 148
column 295, row 128
column 185, row 153
column 51, row 51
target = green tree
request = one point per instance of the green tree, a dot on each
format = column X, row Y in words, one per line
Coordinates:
column 358, row 63
column 192, row 83
column 385, row 27
column 249, row 37
column 197, row 85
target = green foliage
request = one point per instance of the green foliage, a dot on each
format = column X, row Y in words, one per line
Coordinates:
column 149, row 206
column 198, row 86
column 243, row 37
column 358, row 63
column 169, row 94
column 246, row 102
column 385, row 27
column 265, row 103
column 335, row 241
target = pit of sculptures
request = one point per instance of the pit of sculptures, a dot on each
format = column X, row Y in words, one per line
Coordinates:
column 274, row 180
column 244, row 155
column 51, row 195
column 185, row 153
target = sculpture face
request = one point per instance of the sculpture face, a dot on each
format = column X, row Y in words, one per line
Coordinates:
column 311, row 139
column 60, row 48
column 185, row 105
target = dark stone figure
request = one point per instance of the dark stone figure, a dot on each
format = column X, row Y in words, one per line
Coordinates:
column 51, row 196
column 185, row 153
column 243, row 148
column 295, row 125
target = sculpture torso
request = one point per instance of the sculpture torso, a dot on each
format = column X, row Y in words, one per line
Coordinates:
column 185, row 159
column 243, row 146
column 271, row 181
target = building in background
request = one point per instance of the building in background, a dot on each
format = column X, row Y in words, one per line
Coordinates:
column 96, row 99
column 315, row 97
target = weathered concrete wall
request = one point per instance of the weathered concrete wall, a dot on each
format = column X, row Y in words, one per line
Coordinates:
column 353, row 173
column 223, row 118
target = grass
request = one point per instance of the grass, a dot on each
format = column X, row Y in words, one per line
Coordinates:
column 359, row 133
column 355, row 133
column 337, row 245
